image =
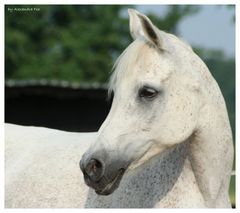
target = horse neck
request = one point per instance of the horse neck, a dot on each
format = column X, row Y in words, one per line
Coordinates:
column 211, row 149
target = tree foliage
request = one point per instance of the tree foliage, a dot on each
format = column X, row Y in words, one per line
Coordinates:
column 74, row 43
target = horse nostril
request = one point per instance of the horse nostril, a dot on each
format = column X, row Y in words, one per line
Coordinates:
column 94, row 169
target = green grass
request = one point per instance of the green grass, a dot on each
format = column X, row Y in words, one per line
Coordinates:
column 232, row 190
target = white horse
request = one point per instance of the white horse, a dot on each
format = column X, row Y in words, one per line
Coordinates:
column 166, row 142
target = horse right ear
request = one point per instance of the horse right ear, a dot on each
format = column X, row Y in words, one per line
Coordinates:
column 141, row 26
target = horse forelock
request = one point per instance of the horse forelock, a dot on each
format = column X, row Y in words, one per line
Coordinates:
column 125, row 61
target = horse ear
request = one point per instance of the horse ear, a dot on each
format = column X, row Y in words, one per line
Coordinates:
column 141, row 26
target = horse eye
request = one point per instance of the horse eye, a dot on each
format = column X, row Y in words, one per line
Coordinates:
column 147, row 92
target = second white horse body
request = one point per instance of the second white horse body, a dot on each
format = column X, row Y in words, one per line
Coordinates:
column 42, row 167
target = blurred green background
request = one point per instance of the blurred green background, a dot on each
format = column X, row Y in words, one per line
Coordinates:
column 81, row 43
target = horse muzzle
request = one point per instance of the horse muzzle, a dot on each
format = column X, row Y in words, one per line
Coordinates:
column 103, row 179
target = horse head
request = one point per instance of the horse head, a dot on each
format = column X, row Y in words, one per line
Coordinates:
column 161, row 88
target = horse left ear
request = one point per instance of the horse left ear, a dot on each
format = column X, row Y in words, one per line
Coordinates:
column 141, row 26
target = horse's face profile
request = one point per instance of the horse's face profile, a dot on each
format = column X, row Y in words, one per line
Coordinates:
column 156, row 105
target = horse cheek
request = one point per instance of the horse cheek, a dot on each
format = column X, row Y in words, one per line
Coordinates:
column 178, row 121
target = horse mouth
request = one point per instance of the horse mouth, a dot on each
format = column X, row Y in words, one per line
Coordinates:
column 108, row 187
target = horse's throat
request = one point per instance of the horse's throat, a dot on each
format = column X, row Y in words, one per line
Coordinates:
column 152, row 181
